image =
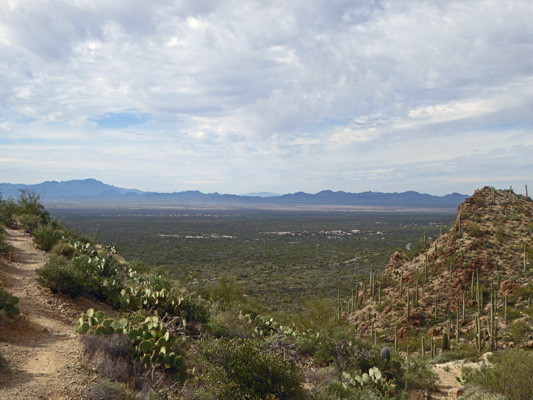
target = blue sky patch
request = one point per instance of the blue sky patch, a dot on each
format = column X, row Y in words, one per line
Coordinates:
column 119, row 120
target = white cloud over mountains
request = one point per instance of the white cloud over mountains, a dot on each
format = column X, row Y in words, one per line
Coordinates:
column 281, row 96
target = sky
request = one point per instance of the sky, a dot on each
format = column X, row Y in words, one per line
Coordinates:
column 268, row 96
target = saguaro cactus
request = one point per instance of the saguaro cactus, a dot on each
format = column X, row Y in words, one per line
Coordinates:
column 426, row 267
column 457, row 330
column 408, row 303
column 445, row 341
column 525, row 256
column 385, row 355
column 505, row 309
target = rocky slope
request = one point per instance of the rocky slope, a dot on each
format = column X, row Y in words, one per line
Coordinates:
column 486, row 258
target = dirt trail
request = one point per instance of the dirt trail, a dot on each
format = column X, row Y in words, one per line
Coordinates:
column 41, row 349
column 448, row 387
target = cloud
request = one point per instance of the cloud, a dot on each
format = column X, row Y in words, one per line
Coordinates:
column 332, row 92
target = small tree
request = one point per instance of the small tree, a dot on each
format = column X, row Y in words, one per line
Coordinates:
column 29, row 202
column 7, row 210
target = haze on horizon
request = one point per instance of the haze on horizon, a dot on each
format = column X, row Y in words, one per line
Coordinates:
column 240, row 97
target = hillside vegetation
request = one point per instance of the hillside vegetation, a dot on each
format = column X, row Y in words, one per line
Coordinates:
column 157, row 340
column 479, row 272
column 280, row 259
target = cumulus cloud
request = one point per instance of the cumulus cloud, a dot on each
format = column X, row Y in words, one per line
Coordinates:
column 285, row 96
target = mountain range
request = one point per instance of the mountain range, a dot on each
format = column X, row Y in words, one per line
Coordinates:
column 94, row 192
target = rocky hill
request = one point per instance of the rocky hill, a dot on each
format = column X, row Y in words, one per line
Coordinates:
column 474, row 281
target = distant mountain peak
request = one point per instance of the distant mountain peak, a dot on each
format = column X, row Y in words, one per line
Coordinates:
column 93, row 191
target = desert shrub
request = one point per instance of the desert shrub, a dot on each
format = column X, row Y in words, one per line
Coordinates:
column 116, row 345
column 107, row 390
column 29, row 203
column 458, row 353
column 111, row 355
column 239, row 369
column 63, row 249
column 478, row 393
column 337, row 391
column 417, row 248
column 524, row 291
column 474, row 230
column 8, row 303
column 479, row 201
column 509, row 374
column 4, row 246
column 386, row 281
column 7, row 213
column 230, row 325
column 500, row 233
column 382, row 305
column 331, row 391
column 81, row 275
column 228, row 292
column 517, row 331
column 197, row 309
column 349, row 356
column 316, row 315
column 321, row 349
column 60, row 276
column 418, row 375
column 45, row 237
column 29, row 222
column 3, row 364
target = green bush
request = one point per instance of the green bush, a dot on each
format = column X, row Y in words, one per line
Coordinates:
column 509, row 374
column 474, row 230
column 337, row 391
column 29, row 203
column 524, row 291
column 239, row 369
column 8, row 302
column 3, row 364
column 92, row 276
column 4, row 246
column 418, row 375
column 7, row 212
column 350, row 356
column 30, row 222
column 458, row 353
column 478, row 393
column 517, row 331
column 500, row 233
column 45, row 237
column 228, row 292
column 107, row 390
column 59, row 275
column 100, row 278
column 417, row 248
column 64, row 249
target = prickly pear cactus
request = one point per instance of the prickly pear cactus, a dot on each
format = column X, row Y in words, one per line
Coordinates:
column 153, row 344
